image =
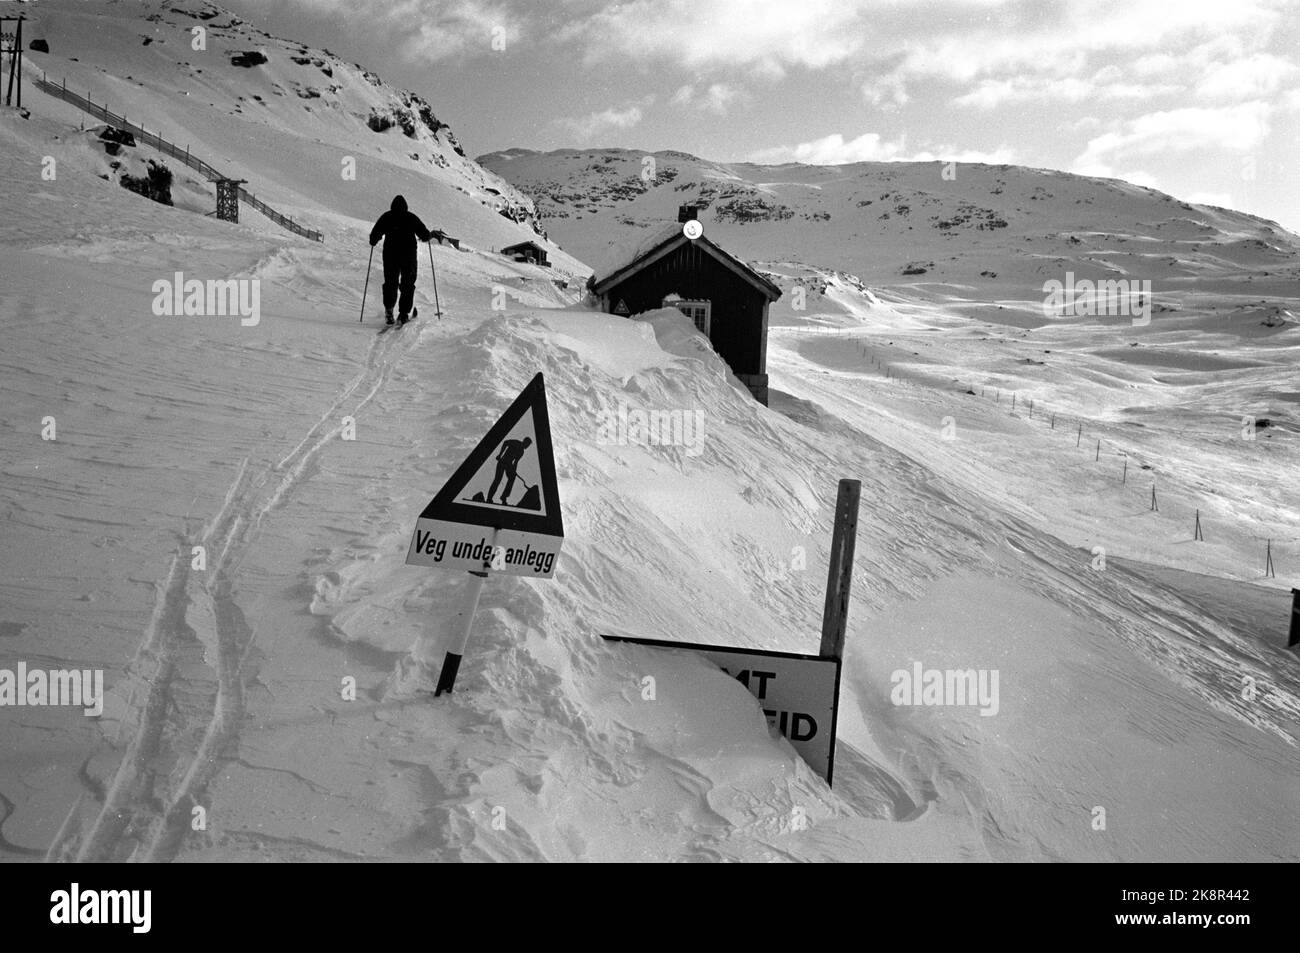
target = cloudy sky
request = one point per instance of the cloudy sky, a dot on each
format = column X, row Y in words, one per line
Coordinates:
column 1199, row 98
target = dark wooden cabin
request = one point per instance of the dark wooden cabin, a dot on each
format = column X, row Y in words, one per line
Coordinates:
column 726, row 299
column 530, row 252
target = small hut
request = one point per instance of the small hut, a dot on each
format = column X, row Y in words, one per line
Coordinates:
column 530, row 252
column 725, row 298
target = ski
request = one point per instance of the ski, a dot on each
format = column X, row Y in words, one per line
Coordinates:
column 415, row 313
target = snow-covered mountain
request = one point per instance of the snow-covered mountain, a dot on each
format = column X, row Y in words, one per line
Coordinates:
column 992, row 231
column 298, row 450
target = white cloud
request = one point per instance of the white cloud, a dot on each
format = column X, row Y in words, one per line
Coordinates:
column 716, row 98
column 770, row 35
column 586, row 128
column 428, row 30
column 1106, row 85
column 833, row 150
column 1256, row 76
column 871, row 147
column 1239, row 128
column 1055, row 51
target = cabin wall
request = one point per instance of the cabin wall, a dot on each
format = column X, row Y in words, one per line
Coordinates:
column 737, row 329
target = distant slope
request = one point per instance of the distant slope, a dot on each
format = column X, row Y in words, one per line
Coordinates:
column 995, row 229
column 325, row 141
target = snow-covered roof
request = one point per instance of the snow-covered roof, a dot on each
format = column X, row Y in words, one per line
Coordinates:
column 621, row 254
column 518, row 246
column 623, row 257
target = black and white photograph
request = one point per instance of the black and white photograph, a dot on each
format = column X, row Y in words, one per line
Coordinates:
column 659, row 431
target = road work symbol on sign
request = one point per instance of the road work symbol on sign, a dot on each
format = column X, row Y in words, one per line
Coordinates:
column 510, row 477
column 799, row 694
column 500, row 510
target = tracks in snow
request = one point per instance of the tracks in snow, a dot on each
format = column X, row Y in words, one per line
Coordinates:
column 167, row 763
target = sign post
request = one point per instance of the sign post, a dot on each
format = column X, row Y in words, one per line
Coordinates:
column 799, row 694
column 499, row 512
column 1294, row 638
column 463, row 622
column 839, row 578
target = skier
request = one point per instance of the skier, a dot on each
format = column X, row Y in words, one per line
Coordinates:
column 400, row 229
column 507, row 463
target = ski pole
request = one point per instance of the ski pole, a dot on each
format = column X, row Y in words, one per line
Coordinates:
column 369, row 262
column 437, row 307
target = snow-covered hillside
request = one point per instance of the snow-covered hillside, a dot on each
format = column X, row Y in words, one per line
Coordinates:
column 322, row 140
column 1121, row 686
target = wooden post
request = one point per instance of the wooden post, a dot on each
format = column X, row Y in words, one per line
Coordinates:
column 1013, row 403
column 1097, row 455
column 1154, row 505
column 13, row 64
column 839, row 575
column 1079, row 439
column 1031, row 408
column 1053, row 421
column 1294, row 638
column 18, row 52
column 1125, row 479
column 1196, row 533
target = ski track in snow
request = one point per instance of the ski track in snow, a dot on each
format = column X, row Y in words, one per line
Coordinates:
column 228, row 535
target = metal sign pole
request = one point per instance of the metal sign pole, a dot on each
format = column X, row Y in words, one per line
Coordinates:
column 461, row 625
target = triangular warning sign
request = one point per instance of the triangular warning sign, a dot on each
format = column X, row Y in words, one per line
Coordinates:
column 622, row 308
column 508, row 481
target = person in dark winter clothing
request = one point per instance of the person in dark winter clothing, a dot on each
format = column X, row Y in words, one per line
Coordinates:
column 400, row 229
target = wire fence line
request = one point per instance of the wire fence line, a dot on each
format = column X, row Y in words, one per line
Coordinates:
column 154, row 141
column 1077, row 425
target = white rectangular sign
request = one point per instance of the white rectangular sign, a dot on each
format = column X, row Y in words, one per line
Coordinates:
column 799, row 694
column 463, row 546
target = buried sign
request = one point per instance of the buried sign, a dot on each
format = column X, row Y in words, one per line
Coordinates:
column 799, row 694
column 500, row 510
